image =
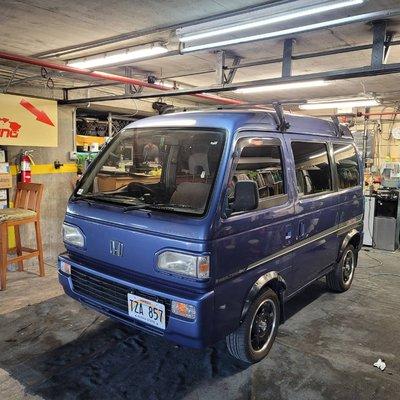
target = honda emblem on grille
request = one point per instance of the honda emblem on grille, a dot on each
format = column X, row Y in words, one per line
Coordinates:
column 116, row 248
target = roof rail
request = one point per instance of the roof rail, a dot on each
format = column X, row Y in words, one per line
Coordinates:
column 282, row 125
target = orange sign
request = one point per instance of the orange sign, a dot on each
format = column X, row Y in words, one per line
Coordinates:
column 25, row 121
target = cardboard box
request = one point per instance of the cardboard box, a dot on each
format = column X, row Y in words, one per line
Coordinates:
column 4, row 168
column 3, row 194
column 5, row 181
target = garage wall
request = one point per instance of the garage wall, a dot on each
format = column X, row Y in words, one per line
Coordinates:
column 57, row 187
column 387, row 149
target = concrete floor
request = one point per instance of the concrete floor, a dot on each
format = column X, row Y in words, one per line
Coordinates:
column 53, row 348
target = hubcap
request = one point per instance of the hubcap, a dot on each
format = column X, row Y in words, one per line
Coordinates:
column 263, row 325
column 348, row 267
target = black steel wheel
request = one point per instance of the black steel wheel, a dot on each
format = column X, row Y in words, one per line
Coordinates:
column 341, row 277
column 252, row 341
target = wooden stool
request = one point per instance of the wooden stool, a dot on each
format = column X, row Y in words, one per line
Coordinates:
column 27, row 210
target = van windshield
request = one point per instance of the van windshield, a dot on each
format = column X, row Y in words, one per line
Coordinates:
column 162, row 169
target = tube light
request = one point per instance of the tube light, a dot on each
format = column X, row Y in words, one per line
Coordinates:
column 287, row 32
column 283, row 86
column 119, row 56
column 168, row 84
column 323, row 153
column 339, row 104
column 271, row 20
column 343, row 149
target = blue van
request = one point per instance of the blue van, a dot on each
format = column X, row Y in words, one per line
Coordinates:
column 199, row 226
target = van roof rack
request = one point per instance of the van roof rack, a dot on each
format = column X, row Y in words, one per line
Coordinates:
column 336, row 124
column 282, row 124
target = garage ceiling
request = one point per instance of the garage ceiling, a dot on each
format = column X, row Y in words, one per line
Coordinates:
column 52, row 25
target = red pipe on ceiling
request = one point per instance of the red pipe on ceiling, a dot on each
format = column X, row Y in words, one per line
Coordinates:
column 106, row 76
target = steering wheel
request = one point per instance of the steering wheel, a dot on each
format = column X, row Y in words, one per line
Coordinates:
column 145, row 188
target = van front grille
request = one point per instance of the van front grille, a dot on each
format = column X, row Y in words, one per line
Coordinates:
column 110, row 293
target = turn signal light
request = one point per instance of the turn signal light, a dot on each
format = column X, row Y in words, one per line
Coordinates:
column 183, row 309
column 64, row 267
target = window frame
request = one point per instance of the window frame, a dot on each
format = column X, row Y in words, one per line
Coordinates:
column 329, row 153
column 334, row 165
column 276, row 200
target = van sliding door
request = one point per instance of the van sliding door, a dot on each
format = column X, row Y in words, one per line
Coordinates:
column 349, row 182
column 316, row 207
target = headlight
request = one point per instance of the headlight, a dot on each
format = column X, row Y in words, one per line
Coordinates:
column 184, row 264
column 73, row 235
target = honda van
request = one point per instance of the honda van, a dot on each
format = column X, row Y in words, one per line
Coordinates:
column 200, row 226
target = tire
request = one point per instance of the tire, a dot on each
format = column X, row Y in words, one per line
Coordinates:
column 240, row 344
column 341, row 277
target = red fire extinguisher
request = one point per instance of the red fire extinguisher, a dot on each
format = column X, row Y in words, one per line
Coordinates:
column 25, row 167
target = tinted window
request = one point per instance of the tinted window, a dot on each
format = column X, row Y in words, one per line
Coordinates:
column 261, row 163
column 312, row 167
column 347, row 165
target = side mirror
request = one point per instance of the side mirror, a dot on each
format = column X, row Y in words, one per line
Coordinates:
column 246, row 196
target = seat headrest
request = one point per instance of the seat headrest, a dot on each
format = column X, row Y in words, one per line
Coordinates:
column 198, row 162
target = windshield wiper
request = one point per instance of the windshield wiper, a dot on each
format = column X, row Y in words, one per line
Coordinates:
column 82, row 198
column 160, row 206
column 141, row 206
column 103, row 197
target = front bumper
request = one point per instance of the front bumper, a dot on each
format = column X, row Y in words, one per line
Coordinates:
column 196, row 333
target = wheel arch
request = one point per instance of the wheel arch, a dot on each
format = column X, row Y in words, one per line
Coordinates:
column 272, row 280
column 353, row 237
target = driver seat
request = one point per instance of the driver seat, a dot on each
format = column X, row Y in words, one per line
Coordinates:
column 194, row 194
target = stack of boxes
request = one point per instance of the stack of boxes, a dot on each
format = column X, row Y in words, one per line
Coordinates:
column 5, row 180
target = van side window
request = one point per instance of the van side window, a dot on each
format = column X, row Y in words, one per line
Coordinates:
column 347, row 165
column 313, row 171
column 262, row 163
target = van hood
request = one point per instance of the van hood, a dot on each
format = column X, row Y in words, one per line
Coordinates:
column 143, row 234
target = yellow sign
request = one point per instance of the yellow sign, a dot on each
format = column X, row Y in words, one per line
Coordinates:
column 25, row 121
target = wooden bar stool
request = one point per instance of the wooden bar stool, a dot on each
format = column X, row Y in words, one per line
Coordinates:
column 26, row 210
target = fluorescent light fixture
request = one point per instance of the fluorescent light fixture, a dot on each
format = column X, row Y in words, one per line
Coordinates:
column 290, row 31
column 119, row 56
column 168, row 84
column 164, row 122
column 270, row 20
column 283, row 86
column 339, row 104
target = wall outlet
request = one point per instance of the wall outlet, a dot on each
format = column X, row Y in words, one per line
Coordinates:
column 73, row 156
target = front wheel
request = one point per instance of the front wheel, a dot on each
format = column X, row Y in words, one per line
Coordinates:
column 341, row 277
column 252, row 341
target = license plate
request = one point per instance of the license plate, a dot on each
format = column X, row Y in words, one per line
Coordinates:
column 147, row 311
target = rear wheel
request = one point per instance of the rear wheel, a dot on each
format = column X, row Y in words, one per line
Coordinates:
column 252, row 341
column 340, row 279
